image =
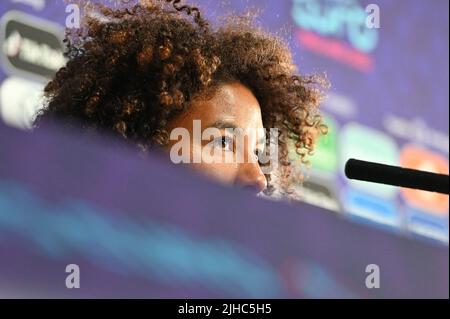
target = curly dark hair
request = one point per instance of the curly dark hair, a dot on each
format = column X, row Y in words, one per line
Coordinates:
column 134, row 67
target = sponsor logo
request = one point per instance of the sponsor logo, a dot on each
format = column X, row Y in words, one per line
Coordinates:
column 431, row 226
column 418, row 158
column 325, row 152
column 319, row 193
column 19, row 101
column 336, row 29
column 30, row 47
column 365, row 207
column 418, row 131
column 37, row 5
column 361, row 142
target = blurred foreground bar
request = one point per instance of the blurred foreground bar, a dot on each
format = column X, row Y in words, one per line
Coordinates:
column 145, row 228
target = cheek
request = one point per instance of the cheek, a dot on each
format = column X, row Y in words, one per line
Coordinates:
column 221, row 172
column 218, row 170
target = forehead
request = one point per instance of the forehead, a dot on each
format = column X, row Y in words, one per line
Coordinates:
column 229, row 103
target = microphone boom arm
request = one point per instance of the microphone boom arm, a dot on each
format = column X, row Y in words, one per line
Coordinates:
column 396, row 176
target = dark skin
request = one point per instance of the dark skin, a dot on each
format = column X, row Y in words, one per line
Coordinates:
column 232, row 105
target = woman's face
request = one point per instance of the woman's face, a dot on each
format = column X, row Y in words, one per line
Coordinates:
column 231, row 106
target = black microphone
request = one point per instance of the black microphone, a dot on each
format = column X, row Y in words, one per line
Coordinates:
column 397, row 176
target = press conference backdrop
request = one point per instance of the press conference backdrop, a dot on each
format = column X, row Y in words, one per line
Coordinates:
column 389, row 100
column 145, row 228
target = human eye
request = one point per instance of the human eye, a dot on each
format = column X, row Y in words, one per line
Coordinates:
column 225, row 142
column 258, row 153
column 261, row 154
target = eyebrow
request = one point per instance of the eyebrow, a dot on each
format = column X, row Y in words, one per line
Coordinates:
column 221, row 124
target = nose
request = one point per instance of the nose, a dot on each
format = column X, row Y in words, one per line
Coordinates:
column 250, row 176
